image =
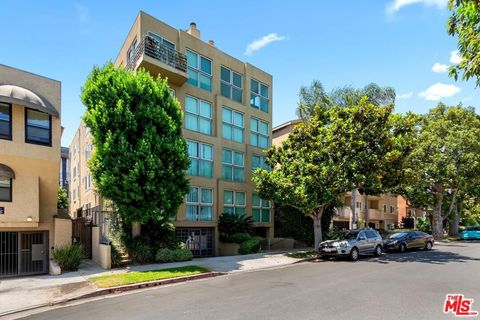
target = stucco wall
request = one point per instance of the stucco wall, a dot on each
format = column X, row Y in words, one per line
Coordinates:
column 63, row 232
column 101, row 253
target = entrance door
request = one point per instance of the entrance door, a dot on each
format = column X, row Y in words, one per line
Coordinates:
column 33, row 252
column 8, row 254
column 198, row 240
column 82, row 234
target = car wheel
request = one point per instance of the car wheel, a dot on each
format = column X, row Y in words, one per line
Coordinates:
column 402, row 248
column 378, row 251
column 354, row 255
column 428, row 246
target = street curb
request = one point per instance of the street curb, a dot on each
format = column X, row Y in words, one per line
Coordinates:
column 119, row 289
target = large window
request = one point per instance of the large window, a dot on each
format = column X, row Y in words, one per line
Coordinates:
column 201, row 159
column 259, row 133
column 231, row 84
column 259, row 96
column 131, row 51
column 161, row 40
column 5, row 121
column 234, row 202
column 233, row 165
column 260, row 209
column 199, row 204
column 199, row 71
column 259, row 162
column 232, row 125
column 38, row 127
column 5, row 189
column 198, row 116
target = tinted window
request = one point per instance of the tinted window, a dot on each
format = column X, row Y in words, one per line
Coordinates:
column 398, row 235
column 5, row 121
column 38, row 127
column 350, row 235
column 362, row 234
column 371, row 234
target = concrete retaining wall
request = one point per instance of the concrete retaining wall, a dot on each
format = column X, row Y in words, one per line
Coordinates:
column 101, row 253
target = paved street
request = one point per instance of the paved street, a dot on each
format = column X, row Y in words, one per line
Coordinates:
column 394, row 286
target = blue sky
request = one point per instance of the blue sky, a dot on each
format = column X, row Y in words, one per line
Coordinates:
column 352, row 42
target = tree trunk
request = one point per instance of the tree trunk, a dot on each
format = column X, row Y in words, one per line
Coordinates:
column 136, row 229
column 367, row 218
column 437, row 218
column 353, row 204
column 454, row 221
column 317, row 226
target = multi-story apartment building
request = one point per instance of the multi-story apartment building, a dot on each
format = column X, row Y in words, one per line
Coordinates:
column 64, row 168
column 30, row 133
column 227, row 108
column 380, row 210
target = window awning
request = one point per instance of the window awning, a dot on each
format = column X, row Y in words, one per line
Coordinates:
column 25, row 97
column 6, row 172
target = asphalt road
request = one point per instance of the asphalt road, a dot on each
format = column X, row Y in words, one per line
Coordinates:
column 394, row 286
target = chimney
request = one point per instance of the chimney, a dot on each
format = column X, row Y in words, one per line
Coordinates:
column 192, row 30
column 211, row 42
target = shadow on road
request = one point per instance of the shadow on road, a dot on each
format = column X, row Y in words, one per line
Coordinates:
column 432, row 257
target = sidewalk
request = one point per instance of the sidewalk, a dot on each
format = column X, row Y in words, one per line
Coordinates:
column 30, row 292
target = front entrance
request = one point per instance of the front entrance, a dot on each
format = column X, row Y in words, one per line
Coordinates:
column 82, row 234
column 23, row 253
column 198, row 240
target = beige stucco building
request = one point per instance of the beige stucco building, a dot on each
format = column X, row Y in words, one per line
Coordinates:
column 381, row 210
column 227, row 108
column 30, row 133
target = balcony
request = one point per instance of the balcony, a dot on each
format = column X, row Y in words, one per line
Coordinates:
column 160, row 60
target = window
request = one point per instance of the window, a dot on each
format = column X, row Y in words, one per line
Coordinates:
column 87, row 182
column 198, row 116
column 131, row 51
column 232, row 125
column 88, row 151
column 161, row 40
column 392, row 209
column 201, row 159
column 384, row 208
column 260, row 209
column 371, row 234
column 199, row 71
column 259, row 133
column 5, row 189
column 359, row 205
column 199, row 204
column 259, row 95
column 5, row 121
column 233, row 165
column 38, row 127
column 231, row 84
column 234, row 202
column 259, row 162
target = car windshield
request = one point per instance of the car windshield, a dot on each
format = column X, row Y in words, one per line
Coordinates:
column 350, row 235
column 398, row 235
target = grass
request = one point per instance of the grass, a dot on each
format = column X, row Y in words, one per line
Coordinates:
column 144, row 276
column 303, row 254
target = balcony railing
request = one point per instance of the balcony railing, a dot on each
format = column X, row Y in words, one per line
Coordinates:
column 154, row 49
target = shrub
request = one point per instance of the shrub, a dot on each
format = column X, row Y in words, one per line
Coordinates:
column 69, row 257
column 253, row 245
column 230, row 224
column 240, row 237
column 424, row 225
column 183, row 254
column 116, row 256
column 173, row 255
column 334, row 233
column 140, row 251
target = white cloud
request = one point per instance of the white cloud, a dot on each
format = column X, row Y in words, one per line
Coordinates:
column 396, row 5
column 82, row 12
column 455, row 57
column 439, row 68
column 262, row 42
column 405, row 95
column 438, row 91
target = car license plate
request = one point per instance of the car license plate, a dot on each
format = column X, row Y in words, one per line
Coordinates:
column 327, row 250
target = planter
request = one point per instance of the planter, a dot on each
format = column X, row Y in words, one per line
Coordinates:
column 228, row 249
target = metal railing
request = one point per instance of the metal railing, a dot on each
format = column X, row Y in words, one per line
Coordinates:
column 154, row 49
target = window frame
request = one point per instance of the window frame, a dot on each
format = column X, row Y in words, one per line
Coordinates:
column 233, row 165
column 10, row 191
column 261, row 208
column 131, row 50
column 231, row 85
column 198, row 115
column 234, row 205
column 10, row 126
column 199, row 70
column 259, row 95
column 200, row 157
column 199, row 203
column 27, row 140
column 232, row 124
column 263, row 164
column 153, row 35
column 258, row 133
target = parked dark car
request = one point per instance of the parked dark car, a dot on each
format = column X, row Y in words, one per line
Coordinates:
column 402, row 241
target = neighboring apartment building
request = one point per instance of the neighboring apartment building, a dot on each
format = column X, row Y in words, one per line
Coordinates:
column 382, row 209
column 406, row 210
column 228, row 114
column 30, row 133
column 64, row 168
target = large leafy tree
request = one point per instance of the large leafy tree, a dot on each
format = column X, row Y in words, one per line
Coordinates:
column 444, row 164
column 464, row 23
column 140, row 158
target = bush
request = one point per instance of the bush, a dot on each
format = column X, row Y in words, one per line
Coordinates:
column 175, row 255
column 69, row 257
column 424, row 225
column 240, row 237
column 253, row 245
column 116, row 256
column 140, row 251
column 230, row 224
column 334, row 233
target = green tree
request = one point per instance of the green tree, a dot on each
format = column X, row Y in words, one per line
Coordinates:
column 140, row 157
column 464, row 23
column 62, row 199
column 444, row 164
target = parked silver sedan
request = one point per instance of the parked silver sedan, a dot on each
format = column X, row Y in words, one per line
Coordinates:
column 353, row 244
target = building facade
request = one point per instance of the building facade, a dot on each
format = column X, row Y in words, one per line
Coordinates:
column 227, row 107
column 381, row 210
column 64, row 168
column 30, row 134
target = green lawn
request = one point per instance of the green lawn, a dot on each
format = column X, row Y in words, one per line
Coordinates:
column 137, row 277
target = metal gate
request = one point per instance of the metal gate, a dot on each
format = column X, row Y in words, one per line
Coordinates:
column 198, row 240
column 23, row 253
column 82, row 234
